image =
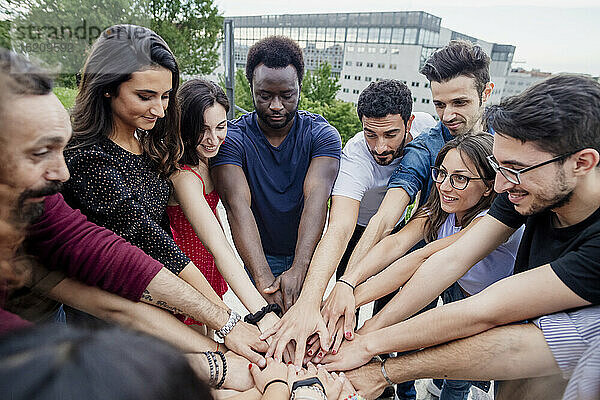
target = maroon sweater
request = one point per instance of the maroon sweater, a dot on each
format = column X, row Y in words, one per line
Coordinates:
column 63, row 239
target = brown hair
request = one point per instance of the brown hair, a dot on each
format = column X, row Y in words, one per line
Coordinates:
column 120, row 51
column 475, row 147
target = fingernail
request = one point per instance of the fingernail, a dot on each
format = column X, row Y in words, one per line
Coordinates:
column 249, row 366
column 289, row 362
column 348, row 335
column 334, row 352
column 320, row 354
column 310, row 353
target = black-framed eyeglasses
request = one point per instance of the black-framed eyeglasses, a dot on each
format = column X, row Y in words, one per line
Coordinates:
column 457, row 181
column 514, row 176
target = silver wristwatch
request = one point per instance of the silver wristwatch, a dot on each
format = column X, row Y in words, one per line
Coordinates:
column 233, row 319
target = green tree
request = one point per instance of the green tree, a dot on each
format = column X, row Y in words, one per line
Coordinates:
column 320, row 85
column 192, row 28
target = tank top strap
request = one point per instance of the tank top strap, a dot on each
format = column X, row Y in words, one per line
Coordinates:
column 188, row 168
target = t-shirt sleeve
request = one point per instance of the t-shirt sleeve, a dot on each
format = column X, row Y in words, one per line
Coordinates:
column 326, row 141
column 63, row 239
column 413, row 172
column 231, row 150
column 504, row 211
column 580, row 269
column 353, row 178
column 104, row 196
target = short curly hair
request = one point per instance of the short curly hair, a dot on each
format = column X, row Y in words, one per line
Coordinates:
column 275, row 52
column 458, row 58
column 388, row 96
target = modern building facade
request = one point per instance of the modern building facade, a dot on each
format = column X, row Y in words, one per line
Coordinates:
column 366, row 47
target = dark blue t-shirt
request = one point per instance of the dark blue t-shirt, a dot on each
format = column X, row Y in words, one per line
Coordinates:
column 276, row 175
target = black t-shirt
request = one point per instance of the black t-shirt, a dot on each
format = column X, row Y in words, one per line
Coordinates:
column 573, row 252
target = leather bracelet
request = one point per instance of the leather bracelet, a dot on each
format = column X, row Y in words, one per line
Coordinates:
column 274, row 381
column 233, row 319
column 347, row 283
column 257, row 316
column 385, row 375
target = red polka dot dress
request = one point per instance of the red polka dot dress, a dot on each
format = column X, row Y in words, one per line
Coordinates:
column 188, row 241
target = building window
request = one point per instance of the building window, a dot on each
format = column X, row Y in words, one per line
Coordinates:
column 360, row 49
column 345, row 90
column 348, row 63
column 425, row 101
column 368, row 79
column 359, row 63
column 395, row 51
column 357, row 77
column 426, row 84
column 381, row 65
column 414, row 84
column 346, row 76
column 350, row 49
column 393, row 66
column 382, row 50
column 377, row 79
column 355, row 91
column 370, row 65
column 372, row 49
column 414, row 99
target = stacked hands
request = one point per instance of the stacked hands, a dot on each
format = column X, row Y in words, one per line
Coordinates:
column 278, row 376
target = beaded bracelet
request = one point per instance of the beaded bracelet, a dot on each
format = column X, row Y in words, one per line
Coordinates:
column 354, row 396
column 211, row 367
column 224, row 362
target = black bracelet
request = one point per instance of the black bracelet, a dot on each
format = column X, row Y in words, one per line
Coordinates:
column 274, row 381
column 257, row 316
column 224, row 362
column 216, row 367
column 209, row 359
column 347, row 283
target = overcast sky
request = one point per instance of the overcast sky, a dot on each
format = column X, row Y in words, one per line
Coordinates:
column 551, row 35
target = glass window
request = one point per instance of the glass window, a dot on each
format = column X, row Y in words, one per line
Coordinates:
column 381, row 65
column 340, row 34
column 372, row 49
column 321, row 34
column 312, row 34
column 270, row 31
column 349, row 63
column 256, row 34
column 368, row 79
column 385, row 35
column 363, row 34
column 351, row 35
column 410, row 36
column 360, row 49
column 355, row 91
column 370, row 65
column 398, row 35
column 330, row 36
column 357, row 77
column 359, row 63
column 373, row 35
column 302, row 34
column 383, row 50
column 350, row 49
column 393, row 66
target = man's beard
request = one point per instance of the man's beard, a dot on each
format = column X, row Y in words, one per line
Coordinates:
column 560, row 197
column 29, row 212
column 394, row 154
column 264, row 118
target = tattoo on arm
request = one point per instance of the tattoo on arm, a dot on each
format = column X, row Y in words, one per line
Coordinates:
column 160, row 303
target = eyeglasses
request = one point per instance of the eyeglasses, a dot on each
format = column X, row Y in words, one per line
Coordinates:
column 514, row 176
column 457, row 181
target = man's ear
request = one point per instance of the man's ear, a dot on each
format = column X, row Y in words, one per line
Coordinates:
column 409, row 123
column 487, row 91
column 586, row 161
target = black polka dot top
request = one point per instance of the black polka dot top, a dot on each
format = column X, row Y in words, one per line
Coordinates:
column 123, row 192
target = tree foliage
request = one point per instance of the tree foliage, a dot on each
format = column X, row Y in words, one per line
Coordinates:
column 60, row 32
column 192, row 28
column 320, row 85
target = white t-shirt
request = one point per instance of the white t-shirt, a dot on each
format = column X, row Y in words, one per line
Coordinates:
column 361, row 178
column 497, row 265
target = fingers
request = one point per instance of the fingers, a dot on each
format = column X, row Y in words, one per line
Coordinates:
column 313, row 349
column 288, row 353
column 280, row 345
column 275, row 286
column 338, row 341
column 349, row 323
column 324, row 335
column 312, row 338
column 253, row 357
column 271, row 331
column 255, row 371
column 300, row 349
column 312, row 370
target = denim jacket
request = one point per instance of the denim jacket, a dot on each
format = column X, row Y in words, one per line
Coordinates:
column 414, row 172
